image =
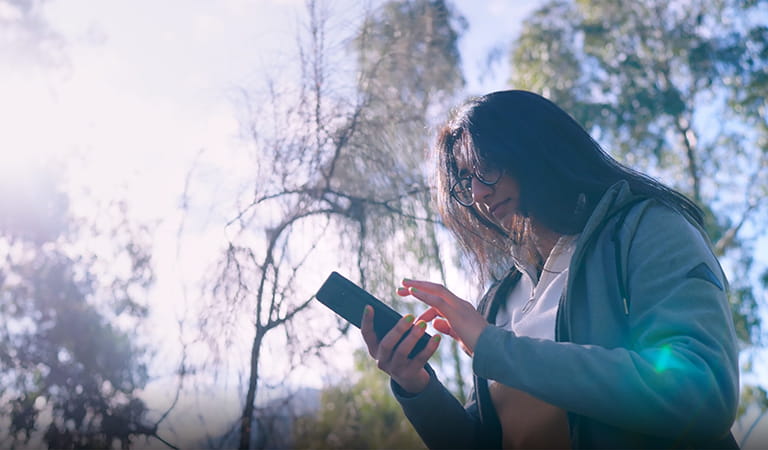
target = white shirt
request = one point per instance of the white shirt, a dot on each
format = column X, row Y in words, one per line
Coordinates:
column 531, row 306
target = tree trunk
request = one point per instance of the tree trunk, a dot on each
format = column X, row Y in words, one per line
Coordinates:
column 455, row 356
column 247, row 418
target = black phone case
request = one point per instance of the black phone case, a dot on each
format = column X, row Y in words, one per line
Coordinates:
column 349, row 300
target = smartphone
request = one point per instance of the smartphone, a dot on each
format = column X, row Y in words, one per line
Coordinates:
column 349, row 300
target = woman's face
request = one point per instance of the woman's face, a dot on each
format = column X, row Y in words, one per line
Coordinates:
column 498, row 201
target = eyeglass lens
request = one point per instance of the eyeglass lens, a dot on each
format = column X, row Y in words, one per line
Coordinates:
column 462, row 189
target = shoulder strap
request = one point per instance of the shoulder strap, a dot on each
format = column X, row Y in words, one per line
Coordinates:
column 489, row 307
column 491, row 302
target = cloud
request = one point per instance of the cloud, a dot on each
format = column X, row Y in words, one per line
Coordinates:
column 27, row 37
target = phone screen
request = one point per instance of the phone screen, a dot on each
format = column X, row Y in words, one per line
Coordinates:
column 349, row 300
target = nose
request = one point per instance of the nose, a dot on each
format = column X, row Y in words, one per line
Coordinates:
column 480, row 191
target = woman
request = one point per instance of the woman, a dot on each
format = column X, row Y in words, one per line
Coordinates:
column 610, row 327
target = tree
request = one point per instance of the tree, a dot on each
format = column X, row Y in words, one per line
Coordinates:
column 360, row 414
column 409, row 62
column 69, row 371
column 337, row 183
column 676, row 89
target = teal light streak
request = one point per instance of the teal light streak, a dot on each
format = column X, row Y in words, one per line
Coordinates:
column 664, row 360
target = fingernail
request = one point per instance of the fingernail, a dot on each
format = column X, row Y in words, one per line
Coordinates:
column 413, row 289
column 405, row 280
column 409, row 318
column 422, row 325
column 436, row 338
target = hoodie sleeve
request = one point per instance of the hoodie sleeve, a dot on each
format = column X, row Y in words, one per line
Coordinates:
column 439, row 418
column 678, row 378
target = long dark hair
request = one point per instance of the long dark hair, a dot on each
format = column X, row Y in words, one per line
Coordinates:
column 561, row 171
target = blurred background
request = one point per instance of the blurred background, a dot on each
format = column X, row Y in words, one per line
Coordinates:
column 177, row 179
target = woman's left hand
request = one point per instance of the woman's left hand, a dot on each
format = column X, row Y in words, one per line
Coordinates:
column 460, row 319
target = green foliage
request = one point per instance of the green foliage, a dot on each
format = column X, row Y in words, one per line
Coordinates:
column 68, row 371
column 755, row 395
column 363, row 414
column 408, row 53
column 676, row 89
column 339, row 178
column 638, row 74
column 409, row 64
column 746, row 314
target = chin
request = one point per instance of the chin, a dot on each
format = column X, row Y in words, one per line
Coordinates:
column 504, row 222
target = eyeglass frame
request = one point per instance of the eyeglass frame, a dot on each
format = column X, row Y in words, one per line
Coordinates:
column 476, row 175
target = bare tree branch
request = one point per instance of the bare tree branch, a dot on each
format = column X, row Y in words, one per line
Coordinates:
column 752, row 202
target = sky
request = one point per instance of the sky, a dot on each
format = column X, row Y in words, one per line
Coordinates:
column 128, row 97
column 124, row 99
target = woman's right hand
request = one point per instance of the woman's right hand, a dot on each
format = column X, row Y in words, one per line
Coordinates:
column 393, row 359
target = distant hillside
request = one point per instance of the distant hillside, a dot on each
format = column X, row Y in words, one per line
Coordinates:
column 274, row 420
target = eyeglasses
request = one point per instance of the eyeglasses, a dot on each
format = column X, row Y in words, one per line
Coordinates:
column 461, row 191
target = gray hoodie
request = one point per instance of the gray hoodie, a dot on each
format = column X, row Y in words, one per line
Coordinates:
column 645, row 349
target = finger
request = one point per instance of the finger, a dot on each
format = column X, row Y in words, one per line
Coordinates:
column 444, row 327
column 409, row 342
column 430, row 299
column 426, row 285
column 434, row 289
column 429, row 315
column 423, row 356
column 390, row 340
column 369, row 335
column 430, row 287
